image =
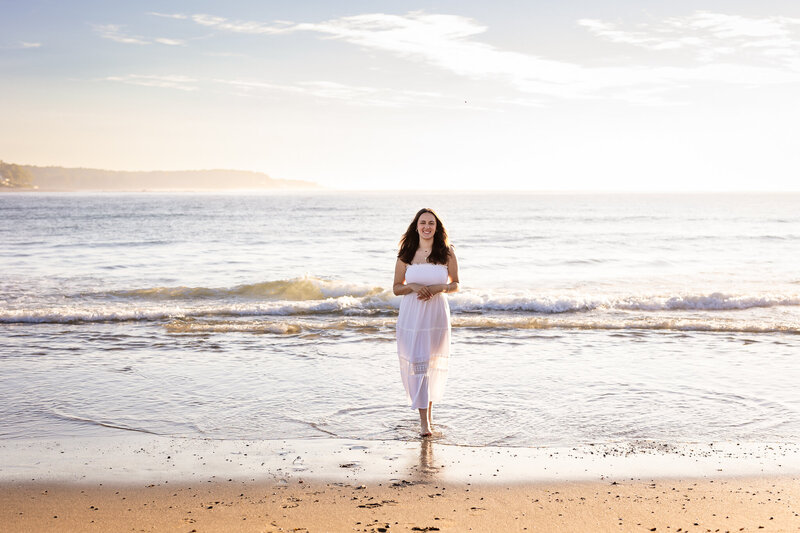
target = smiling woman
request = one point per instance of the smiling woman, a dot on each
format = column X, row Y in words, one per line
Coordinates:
column 426, row 269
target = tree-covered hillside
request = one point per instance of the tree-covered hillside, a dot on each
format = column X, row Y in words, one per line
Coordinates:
column 77, row 179
column 15, row 176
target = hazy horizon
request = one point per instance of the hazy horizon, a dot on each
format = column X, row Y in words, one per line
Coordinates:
column 576, row 97
column 320, row 188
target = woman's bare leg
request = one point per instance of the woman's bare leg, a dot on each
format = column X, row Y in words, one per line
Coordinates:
column 423, row 420
column 430, row 415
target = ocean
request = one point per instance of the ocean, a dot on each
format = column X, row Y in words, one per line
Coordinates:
column 582, row 318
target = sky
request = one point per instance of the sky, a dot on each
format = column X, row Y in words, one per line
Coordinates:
column 443, row 95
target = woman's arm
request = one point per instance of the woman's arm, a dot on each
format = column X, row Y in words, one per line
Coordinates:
column 452, row 276
column 400, row 287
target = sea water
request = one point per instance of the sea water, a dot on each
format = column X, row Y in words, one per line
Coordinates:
column 252, row 315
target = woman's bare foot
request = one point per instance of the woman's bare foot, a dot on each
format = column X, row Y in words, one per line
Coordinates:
column 423, row 420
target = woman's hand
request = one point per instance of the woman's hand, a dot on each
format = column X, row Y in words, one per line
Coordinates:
column 426, row 292
column 423, row 292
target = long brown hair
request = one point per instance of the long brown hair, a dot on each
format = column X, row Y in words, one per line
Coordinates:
column 440, row 251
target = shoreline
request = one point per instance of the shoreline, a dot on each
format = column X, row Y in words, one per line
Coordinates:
column 150, row 483
column 144, row 458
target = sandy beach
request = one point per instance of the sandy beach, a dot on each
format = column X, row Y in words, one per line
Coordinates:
column 739, row 504
column 160, row 484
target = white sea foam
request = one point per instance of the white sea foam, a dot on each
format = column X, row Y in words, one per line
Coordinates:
column 382, row 302
column 310, row 289
column 121, row 312
column 348, row 314
column 467, row 302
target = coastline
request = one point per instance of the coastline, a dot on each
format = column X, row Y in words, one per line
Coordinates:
column 156, row 483
column 145, row 458
column 220, row 190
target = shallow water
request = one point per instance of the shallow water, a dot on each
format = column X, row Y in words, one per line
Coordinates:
column 581, row 318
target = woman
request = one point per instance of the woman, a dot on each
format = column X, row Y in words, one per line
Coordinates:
column 426, row 269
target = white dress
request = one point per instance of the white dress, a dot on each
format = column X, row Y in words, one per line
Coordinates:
column 423, row 337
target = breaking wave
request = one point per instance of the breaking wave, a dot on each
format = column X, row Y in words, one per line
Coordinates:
column 570, row 304
column 334, row 300
column 299, row 289
column 309, row 289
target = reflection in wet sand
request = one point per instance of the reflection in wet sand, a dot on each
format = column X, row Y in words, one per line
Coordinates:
column 426, row 467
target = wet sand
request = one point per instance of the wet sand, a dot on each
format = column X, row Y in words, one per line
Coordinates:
column 737, row 504
column 159, row 484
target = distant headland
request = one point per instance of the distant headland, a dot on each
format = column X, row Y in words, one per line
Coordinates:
column 29, row 177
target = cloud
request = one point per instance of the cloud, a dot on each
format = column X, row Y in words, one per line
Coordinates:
column 710, row 36
column 21, row 45
column 358, row 95
column 168, row 15
column 441, row 40
column 183, row 83
column 169, row 42
column 244, row 26
column 451, row 43
column 351, row 94
column 116, row 33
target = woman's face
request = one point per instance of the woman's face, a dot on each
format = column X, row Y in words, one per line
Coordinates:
column 426, row 225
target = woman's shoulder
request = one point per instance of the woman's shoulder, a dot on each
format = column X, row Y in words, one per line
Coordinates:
column 451, row 256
